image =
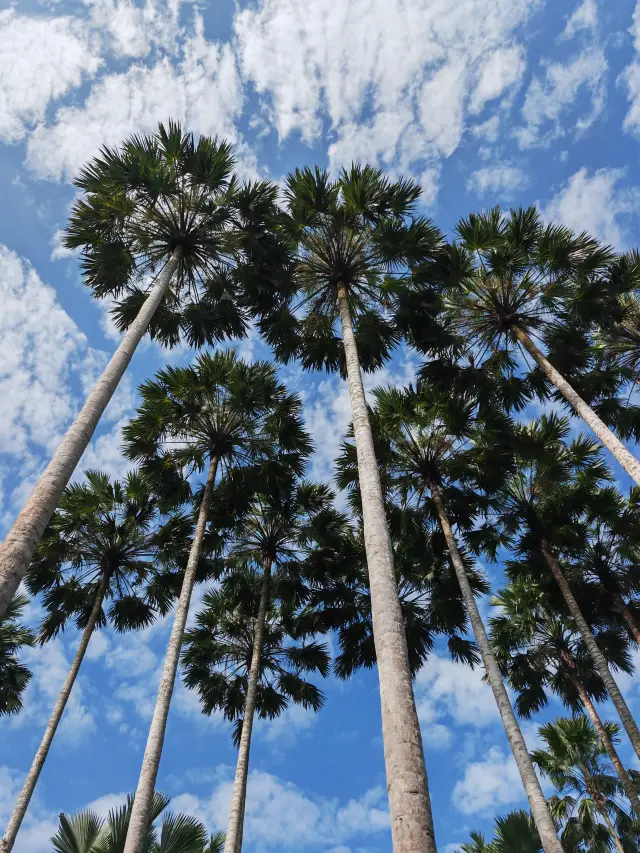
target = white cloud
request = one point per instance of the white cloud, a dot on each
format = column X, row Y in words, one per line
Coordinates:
column 631, row 77
column 202, row 89
column 448, row 691
column 488, row 784
column 551, row 95
column 33, row 76
column 584, row 17
column 39, row 825
column 596, row 204
column 389, row 78
column 132, row 30
column 281, row 815
column 500, row 180
column 502, row 70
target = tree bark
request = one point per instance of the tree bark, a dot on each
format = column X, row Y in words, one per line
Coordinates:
column 233, row 841
column 607, row 743
column 409, row 802
column 141, row 811
column 24, row 797
column 596, row 655
column 22, row 539
column 622, row 608
column 539, row 810
column 601, row 430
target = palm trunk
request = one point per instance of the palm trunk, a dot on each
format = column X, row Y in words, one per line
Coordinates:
column 22, row 539
column 233, row 841
column 24, row 797
column 622, row 608
column 141, row 810
column 601, row 430
column 610, row 827
column 607, row 743
column 409, row 802
column 539, row 810
column 596, row 655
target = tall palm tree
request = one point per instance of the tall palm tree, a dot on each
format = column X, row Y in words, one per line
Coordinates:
column 104, row 543
column 219, row 414
column 425, row 437
column 539, row 650
column 575, row 762
column 162, row 224
column 87, row 832
column 511, row 279
column 537, row 514
column 352, row 243
column 247, row 657
column 281, row 524
column 14, row 676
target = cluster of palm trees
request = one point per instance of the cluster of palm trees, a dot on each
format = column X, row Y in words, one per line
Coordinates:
column 511, row 316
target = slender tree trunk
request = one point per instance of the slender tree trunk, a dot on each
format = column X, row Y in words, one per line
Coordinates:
column 539, row 810
column 601, row 430
column 24, row 797
column 141, row 811
column 621, row 607
column 22, row 539
column 607, row 743
column 409, row 801
column 596, row 655
column 233, row 841
column 610, row 827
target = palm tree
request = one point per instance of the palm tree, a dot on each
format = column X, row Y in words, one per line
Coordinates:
column 103, row 544
column 14, row 676
column 161, row 226
column 87, row 832
column 246, row 656
column 219, row 413
column 539, row 650
column 350, row 238
column 426, row 463
column 284, row 521
column 574, row 760
column 537, row 514
column 512, row 278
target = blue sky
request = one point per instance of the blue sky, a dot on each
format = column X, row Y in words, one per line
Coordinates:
column 484, row 101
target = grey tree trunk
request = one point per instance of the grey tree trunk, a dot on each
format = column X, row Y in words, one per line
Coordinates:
column 233, row 841
column 409, row 802
column 596, row 655
column 24, row 797
column 600, row 429
column 22, row 539
column 141, row 811
column 610, row 827
column 539, row 810
column 607, row 743
column 622, row 608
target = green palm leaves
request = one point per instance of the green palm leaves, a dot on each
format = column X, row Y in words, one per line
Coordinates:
column 14, row 676
column 87, row 832
column 359, row 232
column 107, row 531
column 155, row 197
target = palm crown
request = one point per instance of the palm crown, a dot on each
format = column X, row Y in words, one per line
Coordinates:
column 87, row 832
column 157, row 195
column 219, row 648
column 359, row 232
column 106, row 531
